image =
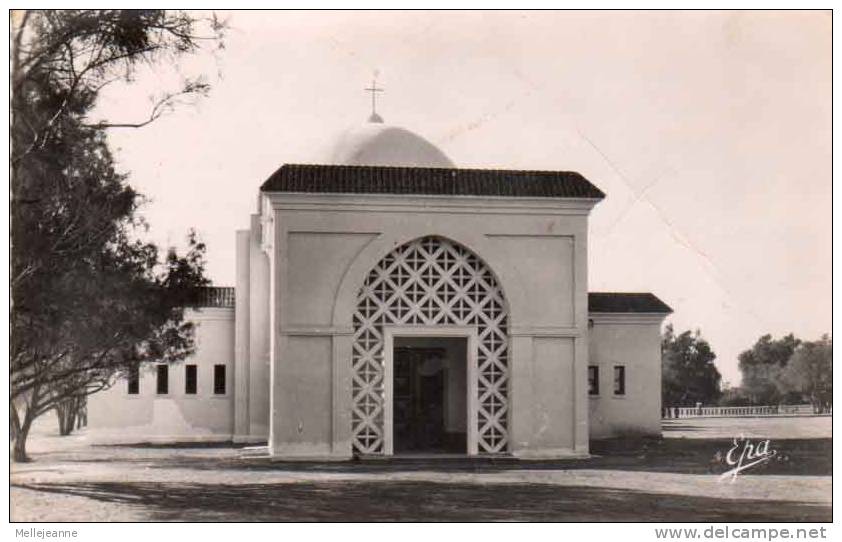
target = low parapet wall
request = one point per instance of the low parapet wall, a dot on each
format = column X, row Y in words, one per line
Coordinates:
column 738, row 411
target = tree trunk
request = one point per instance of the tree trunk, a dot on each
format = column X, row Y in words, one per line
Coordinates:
column 66, row 414
column 22, row 432
column 82, row 413
column 19, row 449
column 61, row 416
column 71, row 418
column 14, row 422
column 62, row 422
column 30, row 409
column 72, row 414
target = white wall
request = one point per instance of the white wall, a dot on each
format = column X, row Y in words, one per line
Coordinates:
column 323, row 246
column 632, row 340
column 114, row 415
column 252, row 336
column 258, row 337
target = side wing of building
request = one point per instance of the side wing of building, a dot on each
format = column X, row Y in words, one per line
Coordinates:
column 191, row 401
column 624, row 369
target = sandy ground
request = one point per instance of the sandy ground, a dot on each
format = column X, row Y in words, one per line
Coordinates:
column 676, row 478
column 776, row 428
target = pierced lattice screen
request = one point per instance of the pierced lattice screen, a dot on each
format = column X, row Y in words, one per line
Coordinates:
column 430, row 281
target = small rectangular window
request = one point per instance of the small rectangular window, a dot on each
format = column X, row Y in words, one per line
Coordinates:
column 163, row 386
column 190, row 379
column 593, row 380
column 219, row 379
column 619, row 380
column 134, row 381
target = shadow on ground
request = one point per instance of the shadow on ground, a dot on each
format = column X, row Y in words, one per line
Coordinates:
column 794, row 457
column 424, row 501
column 173, row 445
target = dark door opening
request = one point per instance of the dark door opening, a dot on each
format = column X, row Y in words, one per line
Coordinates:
column 429, row 395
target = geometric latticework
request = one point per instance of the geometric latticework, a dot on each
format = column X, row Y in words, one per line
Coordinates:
column 430, row 281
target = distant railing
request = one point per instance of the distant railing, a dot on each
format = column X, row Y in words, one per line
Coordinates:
column 736, row 411
column 216, row 296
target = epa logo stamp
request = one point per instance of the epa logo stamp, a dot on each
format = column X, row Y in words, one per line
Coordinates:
column 745, row 454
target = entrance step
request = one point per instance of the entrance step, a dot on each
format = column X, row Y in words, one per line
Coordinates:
column 254, row 451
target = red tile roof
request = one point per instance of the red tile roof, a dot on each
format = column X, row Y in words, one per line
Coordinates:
column 615, row 302
column 430, row 181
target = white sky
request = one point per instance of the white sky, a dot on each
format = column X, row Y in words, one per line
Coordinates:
column 709, row 132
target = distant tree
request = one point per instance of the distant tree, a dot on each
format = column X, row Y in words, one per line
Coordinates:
column 733, row 396
column 761, row 367
column 809, row 373
column 688, row 374
column 89, row 299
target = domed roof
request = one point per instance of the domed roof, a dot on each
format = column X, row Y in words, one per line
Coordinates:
column 377, row 144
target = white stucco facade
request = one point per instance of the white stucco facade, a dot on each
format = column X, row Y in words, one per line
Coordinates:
column 631, row 341
column 175, row 416
column 295, row 340
column 325, row 247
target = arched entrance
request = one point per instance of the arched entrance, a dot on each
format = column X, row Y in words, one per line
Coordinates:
column 431, row 282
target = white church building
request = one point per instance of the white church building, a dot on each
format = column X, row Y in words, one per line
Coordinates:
column 388, row 302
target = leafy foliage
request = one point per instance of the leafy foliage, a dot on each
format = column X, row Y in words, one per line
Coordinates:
column 688, row 373
column 786, row 370
column 761, row 367
column 809, row 373
column 90, row 299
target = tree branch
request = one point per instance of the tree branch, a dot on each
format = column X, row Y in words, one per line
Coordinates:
column 160, row 107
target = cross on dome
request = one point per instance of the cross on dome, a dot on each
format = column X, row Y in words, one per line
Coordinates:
column 374, row 90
